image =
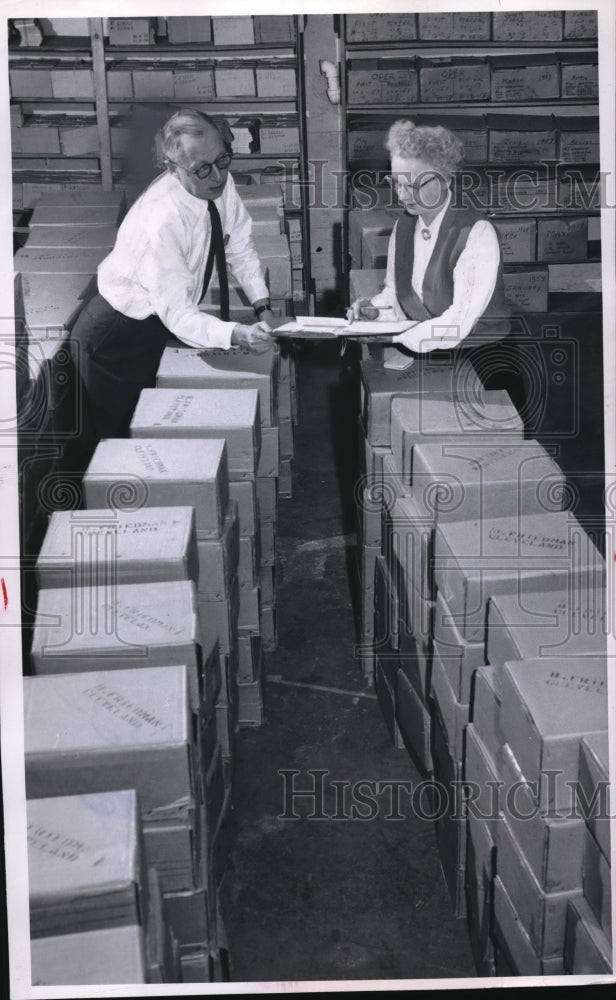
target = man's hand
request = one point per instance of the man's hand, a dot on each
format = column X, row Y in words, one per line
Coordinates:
column 271, row 321
column 354, row 312
column 256, row 337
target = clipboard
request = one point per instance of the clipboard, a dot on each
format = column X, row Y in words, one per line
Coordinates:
column 333, row 327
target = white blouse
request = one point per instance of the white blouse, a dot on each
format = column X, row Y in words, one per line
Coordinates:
column 158, row 261
column 474, row 279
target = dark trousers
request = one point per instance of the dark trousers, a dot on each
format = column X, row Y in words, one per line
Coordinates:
column 114, row 357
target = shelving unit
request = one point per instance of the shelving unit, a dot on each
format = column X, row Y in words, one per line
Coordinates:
column 397, row 65
column 124, row 119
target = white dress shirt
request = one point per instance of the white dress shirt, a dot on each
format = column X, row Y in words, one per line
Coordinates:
column 158, row 261
column 474, row 279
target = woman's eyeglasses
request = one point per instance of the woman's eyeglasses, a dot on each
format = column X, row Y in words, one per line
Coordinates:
column 401, row 183
column 205, row 169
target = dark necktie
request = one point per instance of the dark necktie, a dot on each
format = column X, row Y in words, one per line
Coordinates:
column 217, row 250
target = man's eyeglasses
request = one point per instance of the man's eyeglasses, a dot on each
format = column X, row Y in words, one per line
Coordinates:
column 205, row 169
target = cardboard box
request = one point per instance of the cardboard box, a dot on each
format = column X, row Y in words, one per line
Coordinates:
column 513, row 941
column 461, row 26
column 90, row 958
column 385, row 688
column 273, row 28
column 521, row 138
column 486, row 698
column 52, row 304
column 526, row 289
column 520, row 191
column 517, row 238
column 120, row 80
column 274, row 254
column 480, row 771
column 248, row 565
column 70, row 237
column 245, row 494
column 417, row 420
column 88, row 196
column 546, row 709
column 74, row 215
column 461, row 482
column 72, row 82
column 98, row 547
column 552, row 845
column 31, row 80
column 250, row 648
column 35, row 139
column 267, row 496
column 478, row 888
column 160, row 472
column 367, row 142
column 234, row 79
column 578, row 138
column 597, row 882
column 587, row 949
column 233, row 30
column 153, row 82
column 550, row 624
column 103, row 730
column 184, row 30
column 282, row 139
column 460, row 658
column 542, row 914
column 562, row 239
column 219, row 558
column 408, row 548
column 380, row 386
column 580, row 24
column 451, row 826
column 268, row 543
column 232, row 414
column 454, row 78
column 267, row 583
column 249, row 605
column 579, row 76
column 188, row 916
column 80, row 140
column 273, row 80
column 594, row 781
column 187, row 368
column 131, row 31
column 386, row 606
column 193, row 81
column 413, row 719
column 474, row 560
column 527, row 26
column 220, row 618
column 453, row 714
column 381, row 81
column 415, row 658
column 86, row 869
column 380, row 27
column 525, row 78
column 470, row 129
column 378, row 222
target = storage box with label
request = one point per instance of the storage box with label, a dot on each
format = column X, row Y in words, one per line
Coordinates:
column 274, row 79
column 86, row 865
column 562, row 239
column 470, row 129
column 526, row 288
column 90, row 958
column 219, row 558
column 182, row 30
column 270, row 28
column 117, row 626
column 578, row 138
column 579, row 76
column 572, row 621
column 462, row 26
column 521, row 138
column 381, row 81
column 454, row 78
column 131, row 31
column 580, row 24
column 517, row 238
column 579, row 188
column 380, row 27
column 232, row 414
column 542, row 914
column 98, row 547
column 279, row 139
column 52, row 304
column 193, row 81
column 588, row 950
column 434, row 420
column 459, row 657
column 157, row 472
column 457, row 481
column 104, row 731
column 526, row 190
column 525, row 78
column 594, row 784
column 527, row 26
column 233, row 30
column 234, row 78
column 366, row 141
column 546, row 709
column 474, row 560
column 552, row 845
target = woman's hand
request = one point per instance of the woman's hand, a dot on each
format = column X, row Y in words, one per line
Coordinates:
column 255, row 337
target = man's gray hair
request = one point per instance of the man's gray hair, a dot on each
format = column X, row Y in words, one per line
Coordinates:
column 189, row 121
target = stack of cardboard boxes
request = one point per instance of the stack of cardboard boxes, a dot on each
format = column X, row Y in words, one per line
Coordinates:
column 484, row 625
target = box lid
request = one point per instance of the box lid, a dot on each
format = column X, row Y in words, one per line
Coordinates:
column 109, row 955
column 159, row 410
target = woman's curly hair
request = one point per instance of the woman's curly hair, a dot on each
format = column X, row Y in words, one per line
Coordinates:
column 436, row 145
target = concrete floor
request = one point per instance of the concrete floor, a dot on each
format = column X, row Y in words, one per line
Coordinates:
column 328, row 899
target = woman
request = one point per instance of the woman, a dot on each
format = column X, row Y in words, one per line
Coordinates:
column 444, row 264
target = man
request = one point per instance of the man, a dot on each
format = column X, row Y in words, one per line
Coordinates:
column 151, row 283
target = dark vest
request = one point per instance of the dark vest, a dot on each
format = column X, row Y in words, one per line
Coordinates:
column 437, row 289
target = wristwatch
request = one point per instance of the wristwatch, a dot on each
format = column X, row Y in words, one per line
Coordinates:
column 264, row 307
